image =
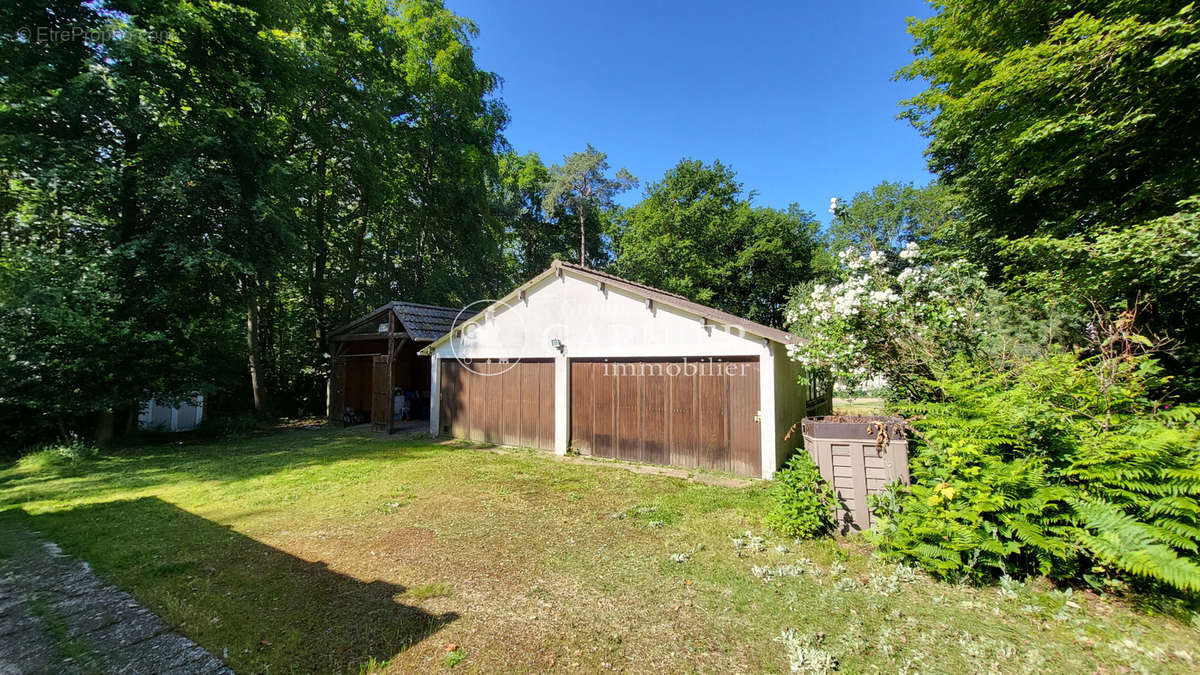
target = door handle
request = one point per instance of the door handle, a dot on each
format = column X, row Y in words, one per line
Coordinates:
column 758, row 416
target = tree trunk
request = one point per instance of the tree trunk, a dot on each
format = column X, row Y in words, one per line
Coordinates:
column 582, row 241
column 355, row 259
column 104, row 429
column 320, row 258
column 258, row 383
column 131, row 418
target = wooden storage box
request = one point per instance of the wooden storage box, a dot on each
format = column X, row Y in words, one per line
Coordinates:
column 858, row 456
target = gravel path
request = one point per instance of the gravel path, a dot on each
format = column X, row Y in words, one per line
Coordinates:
column 57, row 616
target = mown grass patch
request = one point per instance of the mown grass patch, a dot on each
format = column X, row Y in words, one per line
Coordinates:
column 318, row 550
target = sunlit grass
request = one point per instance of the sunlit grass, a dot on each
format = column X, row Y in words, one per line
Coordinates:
column 859, row 406
column 321, row 551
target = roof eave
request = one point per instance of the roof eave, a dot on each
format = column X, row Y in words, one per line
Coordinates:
column 362, row 319
column 428, row 349
column 746, row 326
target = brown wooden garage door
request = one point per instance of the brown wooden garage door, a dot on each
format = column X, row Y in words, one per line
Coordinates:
column 669, row 411
column 496, row 402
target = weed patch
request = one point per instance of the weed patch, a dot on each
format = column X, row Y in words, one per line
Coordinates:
column 436, row 589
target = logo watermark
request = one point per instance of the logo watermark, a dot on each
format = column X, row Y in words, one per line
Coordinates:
column 701, row 367
column 477, row 334
column 51, row 34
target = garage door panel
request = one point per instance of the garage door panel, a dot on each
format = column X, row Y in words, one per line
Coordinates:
column 528, row 411
column 511, row 415
column 629, row 416
column 477, row 397
column 654, row 420
column 581, row 406
column 713, row 424
column 603, row 412
column 744, row 437
column 495, row 403
column 667, row 411
column 499, row 402
column 684, row 416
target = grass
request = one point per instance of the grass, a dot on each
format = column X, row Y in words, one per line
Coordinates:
column 65, row 647
column 436, row 589
column 322, row 551
column 858, row 406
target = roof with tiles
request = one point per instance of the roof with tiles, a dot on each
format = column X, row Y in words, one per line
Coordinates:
column 423, row 323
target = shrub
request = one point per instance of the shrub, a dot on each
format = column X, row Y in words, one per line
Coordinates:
column 70, row 452
column 1064, row 466
column 889, row 317
column 802, row 502
column 899, row 315
column 235, row 426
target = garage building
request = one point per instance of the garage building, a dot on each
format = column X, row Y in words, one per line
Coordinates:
column 583, row 360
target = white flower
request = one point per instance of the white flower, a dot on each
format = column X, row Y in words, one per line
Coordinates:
column 875, row 258
column 884, row 297
column 911, row 251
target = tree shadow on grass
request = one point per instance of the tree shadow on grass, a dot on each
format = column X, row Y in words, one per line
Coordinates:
column 227, row 460
column 253, row 605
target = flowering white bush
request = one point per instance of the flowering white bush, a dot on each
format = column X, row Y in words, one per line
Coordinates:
column 897, row 318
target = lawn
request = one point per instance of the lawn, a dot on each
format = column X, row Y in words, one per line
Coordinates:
column 319, row 550
column 858, row 406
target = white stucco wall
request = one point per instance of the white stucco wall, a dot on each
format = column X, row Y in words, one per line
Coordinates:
column 790, row 400
column 595, row 322
column 592, row 322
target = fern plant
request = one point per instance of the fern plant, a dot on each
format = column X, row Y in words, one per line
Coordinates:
column 1066, row 467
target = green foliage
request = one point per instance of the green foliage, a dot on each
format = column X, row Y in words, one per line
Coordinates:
column 1056, row 117
column 580, row 188
column 455, row 657
column 899, row 320
column 189, row 186
column 533, row 238
column 1068, row 129
column 696, row 234
column 69, row 453
column 802, row 502
column 1069, row 467
column 1154, row 262
column 889, row 216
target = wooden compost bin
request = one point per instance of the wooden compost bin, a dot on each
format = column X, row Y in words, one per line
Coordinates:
column 858, row 456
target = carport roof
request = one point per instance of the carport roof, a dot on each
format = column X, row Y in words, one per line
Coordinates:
column 423, row 323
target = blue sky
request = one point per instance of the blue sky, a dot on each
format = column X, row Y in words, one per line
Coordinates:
column 796, row 96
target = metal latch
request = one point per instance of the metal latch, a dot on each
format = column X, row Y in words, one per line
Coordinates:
column 758, row 416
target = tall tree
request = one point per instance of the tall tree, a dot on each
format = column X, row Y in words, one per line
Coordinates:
column 396, row 143
column 697, row 234
column 533, row 237
column 1070, row 128
column 213, row 183
column 890, row 215
column 1057, row 117
column 106, row 209
column 581, row 186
